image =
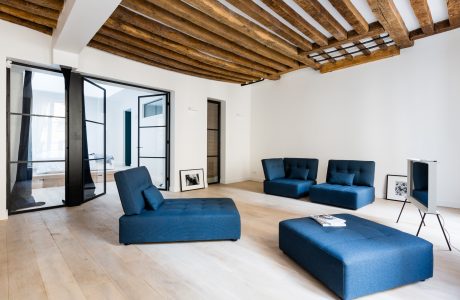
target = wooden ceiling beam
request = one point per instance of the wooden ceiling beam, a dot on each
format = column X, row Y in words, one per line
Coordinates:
column 344, row 53
column 423, row 14
column 205, row 40
column 362, row 59
column 323, row 17
column 353, row 36
column 290, row 15
column 362, row 48
column 268, row 20
column 453, row 9
column 32, row 8
column 22, row 14
column 193, row 15
column 29, row 24
column 137, row 58
column 380, row 42
column 351, row 15
column 176, row 47
column 439, row 27
column 142, row 52
column 123, row 15
column 221, row 13
column 386, row 12
column 52, row 4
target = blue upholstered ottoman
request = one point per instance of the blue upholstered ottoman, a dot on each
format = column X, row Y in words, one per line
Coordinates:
column 363, row 258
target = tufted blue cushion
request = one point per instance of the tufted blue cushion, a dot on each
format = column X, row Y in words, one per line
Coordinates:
column 183, row 220
column 310, row 164
column 130, row 184
column 341, row 178
column 298, row 173
column 153, row 197
column 364, row 170
column 292, row 188
column 352, row 197
column 360, row 259
column 273, row 168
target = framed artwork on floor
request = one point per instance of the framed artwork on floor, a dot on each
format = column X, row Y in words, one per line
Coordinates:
column 191, row 179
column 396, row 187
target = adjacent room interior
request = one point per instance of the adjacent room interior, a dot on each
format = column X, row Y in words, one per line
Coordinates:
column 229, row 149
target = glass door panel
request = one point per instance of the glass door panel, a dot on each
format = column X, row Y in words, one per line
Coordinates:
column 213, row 144
column 94, row 140
column 153, row 137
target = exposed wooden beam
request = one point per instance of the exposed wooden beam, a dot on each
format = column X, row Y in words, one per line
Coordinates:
column 326, row 56
column 323, row 17
column 423, row 14
column 125, row 16
column 185, row 11
column 220, row 12
column 130, row 56
column 205, row 40
column 176, row 47
column 439, row 27
column 380, row 42
column 344, row 53
column 268, row 20
column 290, row 15
column 29, row 24
column 164, row 60
column 32, row 8
column 351, row 15
column 22, row 14
column 362, row 59
column 353, row 36
column 453, row 9
column 53, row 4
column 386, row 12
column 362, row 48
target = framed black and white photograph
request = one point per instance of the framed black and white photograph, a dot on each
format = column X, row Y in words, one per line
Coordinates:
column 191, row 179
column 396, row 187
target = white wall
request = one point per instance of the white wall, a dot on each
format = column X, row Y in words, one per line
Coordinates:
column 387, row 111
column 188, row 105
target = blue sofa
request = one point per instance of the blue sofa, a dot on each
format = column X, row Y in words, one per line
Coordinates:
column 349, row 184
column 357, row 260
column 171, row 220
column 289, row 177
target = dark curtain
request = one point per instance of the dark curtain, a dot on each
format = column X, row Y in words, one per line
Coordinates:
column 21, row 195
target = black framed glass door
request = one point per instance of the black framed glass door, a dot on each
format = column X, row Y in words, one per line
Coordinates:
column 153, row 137
column 94, row 140
column 214, row 132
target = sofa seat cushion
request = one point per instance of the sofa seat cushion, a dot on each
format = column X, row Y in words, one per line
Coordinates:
column 352, row 197
column 130, row 184
column 196, row 219
column 286, row 187
column 360, row 259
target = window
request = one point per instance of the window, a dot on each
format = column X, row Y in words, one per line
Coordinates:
column 153, row 108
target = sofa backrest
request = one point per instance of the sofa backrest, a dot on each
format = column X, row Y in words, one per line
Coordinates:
column 305, row 163
column 273, row 168
column 130, row 184
column 364, row 170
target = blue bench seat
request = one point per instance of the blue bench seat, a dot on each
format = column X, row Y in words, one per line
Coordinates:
column 357, row 260
column 292, row 188
column 351, row 197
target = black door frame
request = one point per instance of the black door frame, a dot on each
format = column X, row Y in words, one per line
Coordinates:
column 167, row 135
column 219, row 134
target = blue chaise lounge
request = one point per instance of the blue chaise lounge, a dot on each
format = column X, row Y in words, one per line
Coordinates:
column 289, row 177
column 349, row 184
column 151, row 218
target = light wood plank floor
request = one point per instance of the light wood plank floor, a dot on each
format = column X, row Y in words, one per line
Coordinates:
column 73, row 253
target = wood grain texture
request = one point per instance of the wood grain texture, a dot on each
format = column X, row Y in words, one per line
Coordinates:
column 53, row 4
column 27, row 16
column 362, row 59
column 203, row 39
column 439, row 27
column 290, row 15
column 185, row 11
column 423, row 14
column 85, row 238
column 362, row 48
column 32, row 8
column 351, row 15
column 453, row 9
column 323, row 17
column 26, row 23
column 388, row 15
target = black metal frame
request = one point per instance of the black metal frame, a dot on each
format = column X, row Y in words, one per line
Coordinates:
column 386, row 195
column 180, row 179
column 166, row 126
column 8, row 137
column 219, row 131
column 105, row 137
column 440, row 224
